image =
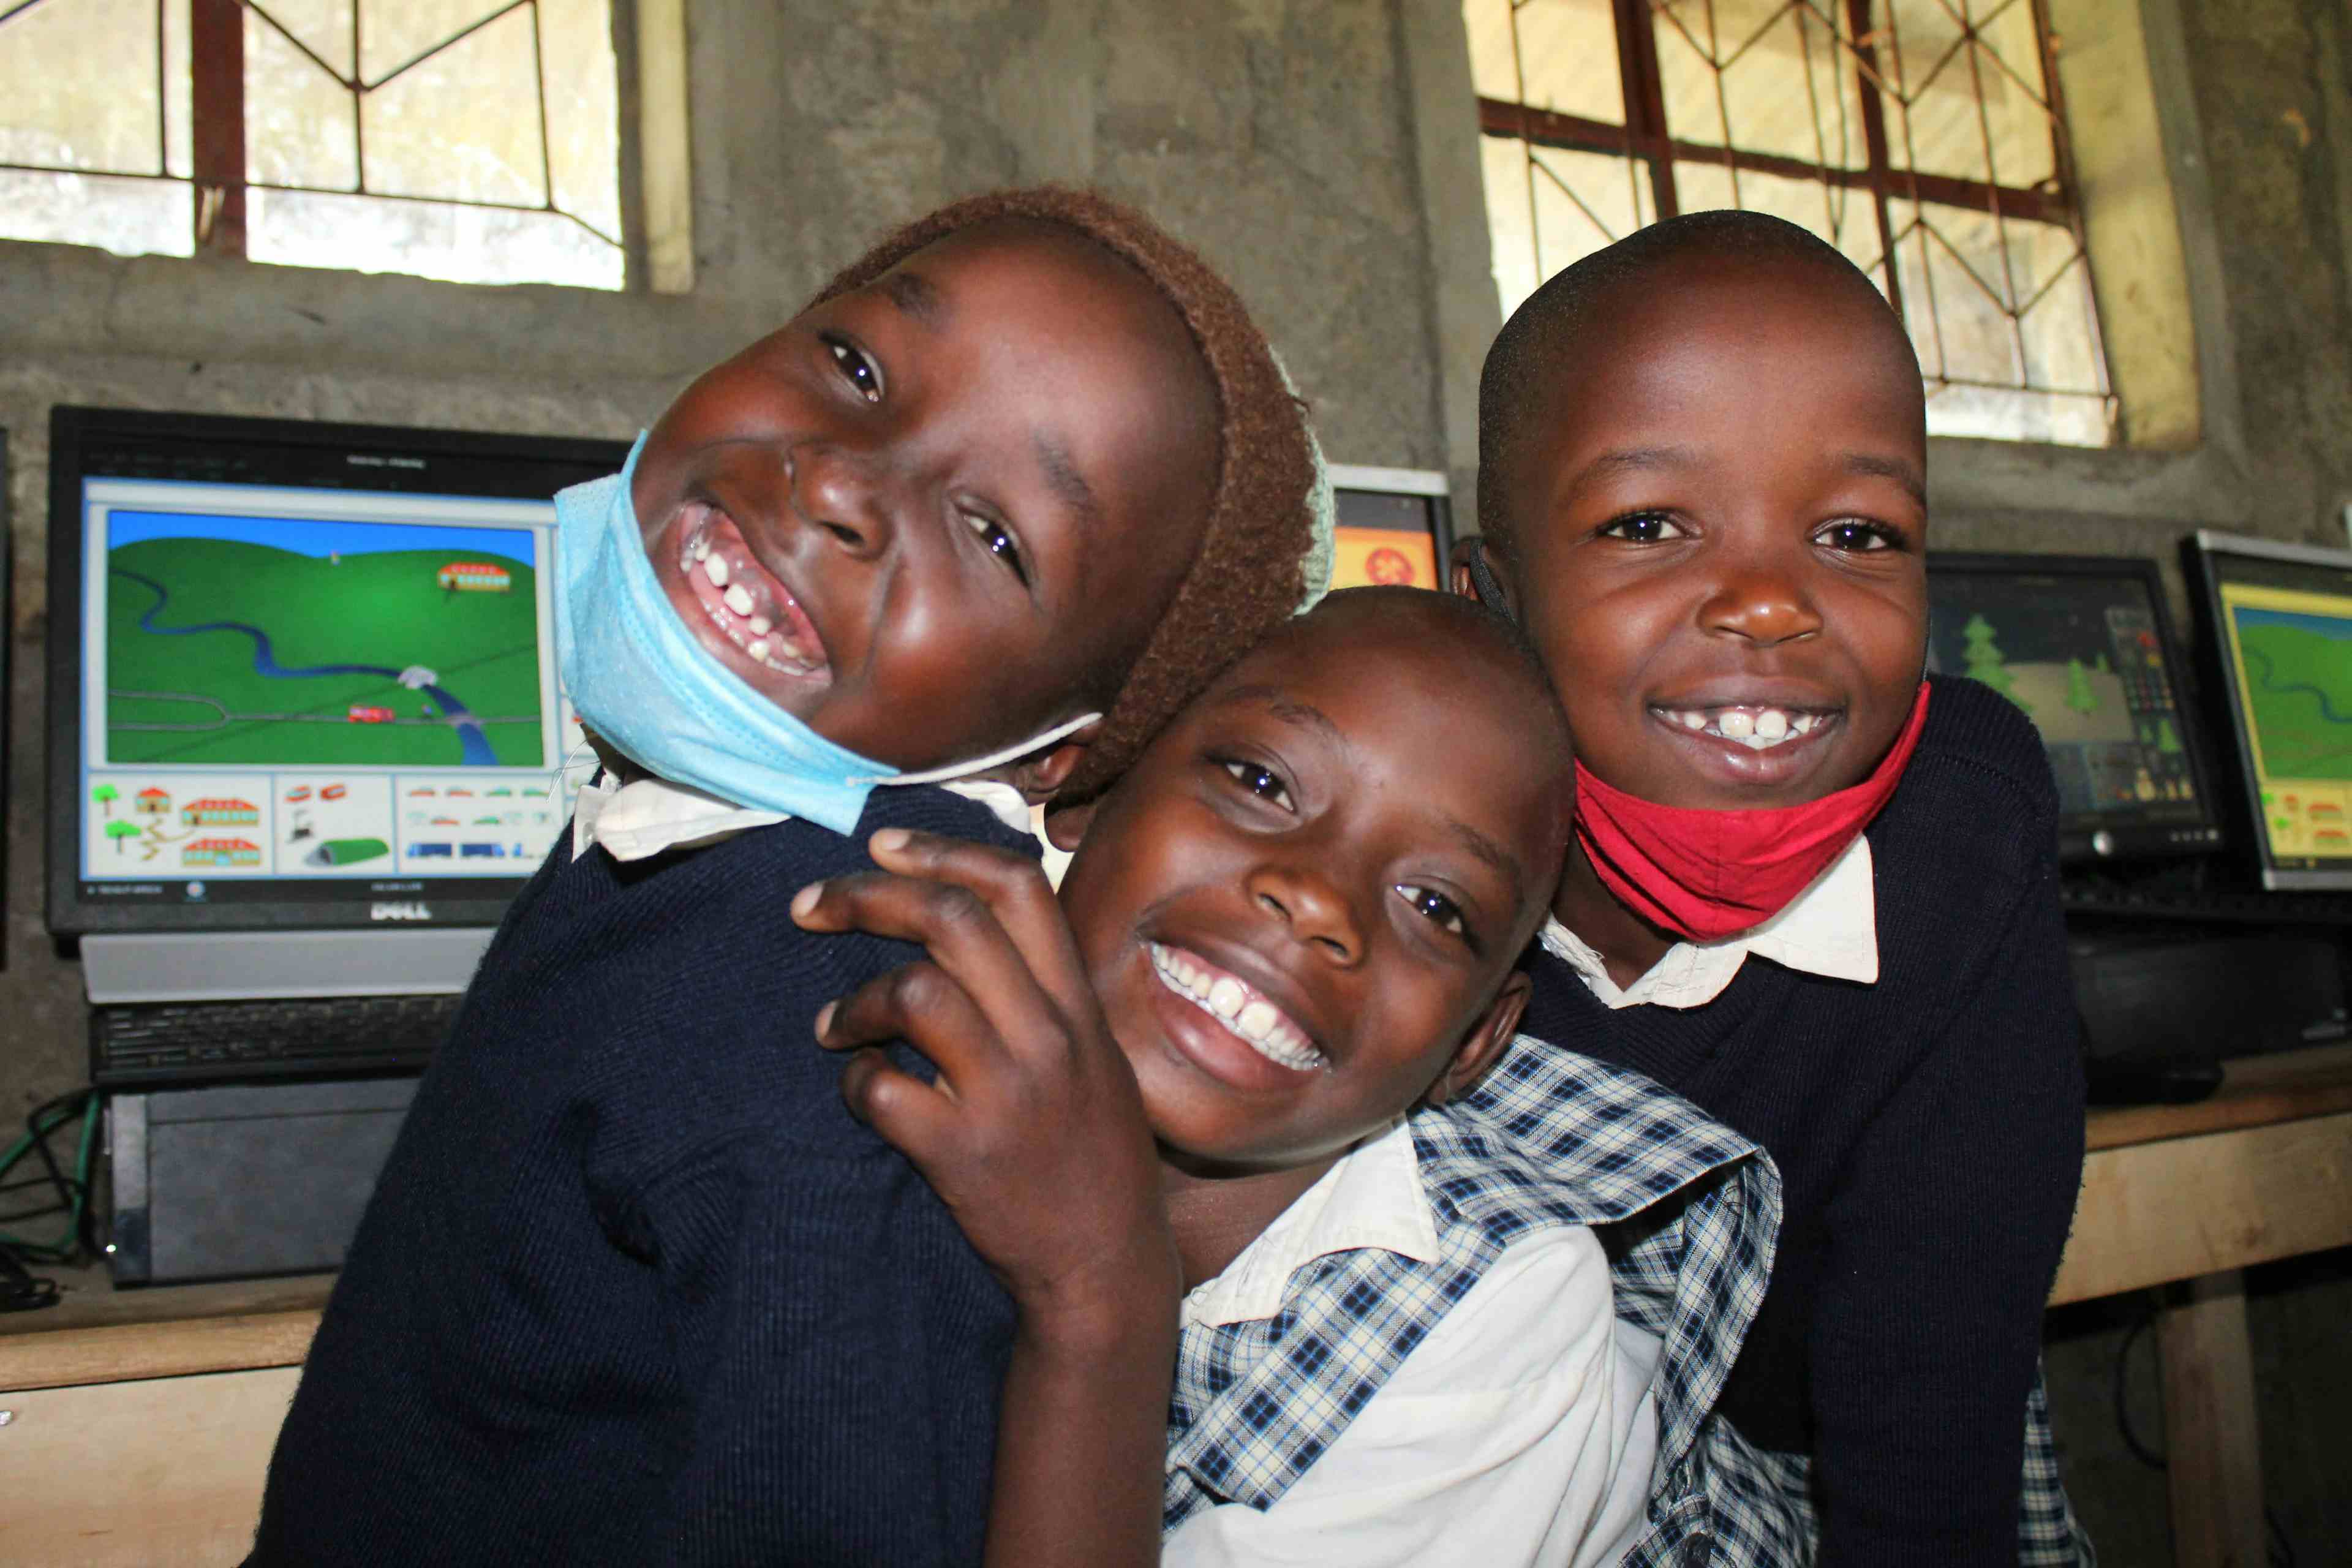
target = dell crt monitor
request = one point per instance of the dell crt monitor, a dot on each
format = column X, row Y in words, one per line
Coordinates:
column 301, row 678
column 2277, row 626
column 2081, row 644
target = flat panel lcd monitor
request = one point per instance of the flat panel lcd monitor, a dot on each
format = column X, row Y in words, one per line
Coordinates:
column 2278, row 623
column 2082, row 644
column 300, row 675
column 1394, row 528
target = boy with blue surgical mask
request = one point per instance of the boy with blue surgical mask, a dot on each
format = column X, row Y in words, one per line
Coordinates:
column 635, row 1284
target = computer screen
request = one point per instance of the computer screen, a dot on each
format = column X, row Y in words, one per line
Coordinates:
column 2277, row 627
column 301, row 675
column 1394, row 526
column 2083, row 646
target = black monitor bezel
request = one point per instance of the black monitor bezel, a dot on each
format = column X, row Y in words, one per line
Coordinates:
column 73, row 430
column 2198, row 553
column 2084, row 842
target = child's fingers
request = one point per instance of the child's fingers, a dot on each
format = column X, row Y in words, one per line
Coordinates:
column 911, row 1116
column 1012, row 884
column 955, row 924
column 922, row 1004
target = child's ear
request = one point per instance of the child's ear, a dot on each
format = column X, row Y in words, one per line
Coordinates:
column 1485, row 1041
column 1067, row 827
column 1039, row 775
column 1478, row 575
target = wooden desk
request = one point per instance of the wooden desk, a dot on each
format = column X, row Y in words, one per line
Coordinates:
column 140, row 1423
column 2187, row 1197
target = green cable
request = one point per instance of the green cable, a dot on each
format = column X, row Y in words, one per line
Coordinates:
column 64, row 1250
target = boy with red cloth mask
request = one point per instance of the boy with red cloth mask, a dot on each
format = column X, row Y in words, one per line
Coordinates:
column 1703, row 491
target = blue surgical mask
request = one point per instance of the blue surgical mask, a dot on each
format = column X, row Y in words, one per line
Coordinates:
column 640, row 679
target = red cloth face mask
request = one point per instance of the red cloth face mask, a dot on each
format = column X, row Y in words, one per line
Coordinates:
column 1713, row 874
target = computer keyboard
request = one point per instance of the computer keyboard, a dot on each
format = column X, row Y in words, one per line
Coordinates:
column 2167, row 900
column 200, row 1042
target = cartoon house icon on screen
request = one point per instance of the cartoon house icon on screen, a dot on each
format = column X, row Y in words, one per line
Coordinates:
column 475, row 577
column 220, row 852
column 152, row 802
column 220, row 811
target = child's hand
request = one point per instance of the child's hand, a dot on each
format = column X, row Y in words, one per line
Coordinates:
column 1034, row 1132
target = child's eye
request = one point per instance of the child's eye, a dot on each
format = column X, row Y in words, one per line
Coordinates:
column 857, row 368
column 1855, row 534
column 1261, row 781
column 1435, row 905
column 1644, row 528
column 998, row 542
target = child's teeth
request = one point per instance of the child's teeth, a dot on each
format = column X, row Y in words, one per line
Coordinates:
column 1804, row 722
column 1734, row 725
column 702, row 548
column 1693, row 721
column 758, row 649
column 760, row 625
column 740, row 600
column 1225, row 997
column 1257, row 1020
column 1771, row 725
column 715, row 568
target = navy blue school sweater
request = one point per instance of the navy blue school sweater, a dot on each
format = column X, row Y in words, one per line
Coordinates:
column 1929, row 1134
column 634, row 1286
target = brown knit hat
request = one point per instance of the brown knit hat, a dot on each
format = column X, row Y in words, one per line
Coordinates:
column 1247, row 577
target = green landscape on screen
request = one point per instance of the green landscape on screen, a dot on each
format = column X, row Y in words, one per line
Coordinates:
column 2298, row 682
column 385, row 609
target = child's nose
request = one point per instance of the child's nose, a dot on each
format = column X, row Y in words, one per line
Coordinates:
column 846, row 494
column 1315, row 910
column 1762, row 602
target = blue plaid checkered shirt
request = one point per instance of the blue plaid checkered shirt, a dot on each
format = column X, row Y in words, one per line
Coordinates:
column 1688, row 1212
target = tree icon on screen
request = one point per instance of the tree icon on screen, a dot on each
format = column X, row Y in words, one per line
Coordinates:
column 119, row 831
column 105, row 795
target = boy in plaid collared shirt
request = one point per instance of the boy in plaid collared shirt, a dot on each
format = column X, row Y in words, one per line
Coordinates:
column 1292, row 928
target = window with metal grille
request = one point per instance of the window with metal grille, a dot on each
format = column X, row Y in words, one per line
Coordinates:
column 476, row 140
column 1925, row 139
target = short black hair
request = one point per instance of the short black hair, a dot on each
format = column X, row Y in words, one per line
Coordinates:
column 1514, row 387
column 1453, row 615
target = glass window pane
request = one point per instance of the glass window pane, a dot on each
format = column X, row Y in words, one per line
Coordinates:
column 1956, row 294
column 395, row 32
column 463, row 124
column 1584, row 200
column 1841, row 214
column 1559, row 54
column 79, row 87
column 1511, row 219
column 298, row 119
column 1966, row 98
column 2058, row 321
column 427, row 239
column 1765, row 76
column 129, row 217
column 583, row 98
column 323, row 27
column 2009, row 414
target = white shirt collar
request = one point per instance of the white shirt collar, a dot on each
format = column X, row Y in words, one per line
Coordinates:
column 1371, row 1197
column 1831, row 930
column 646, row 817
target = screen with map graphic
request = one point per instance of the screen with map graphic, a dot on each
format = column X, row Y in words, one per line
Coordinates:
column 314, row 641
column 2080, row 645
column 2285, row 616
column 307, row 672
